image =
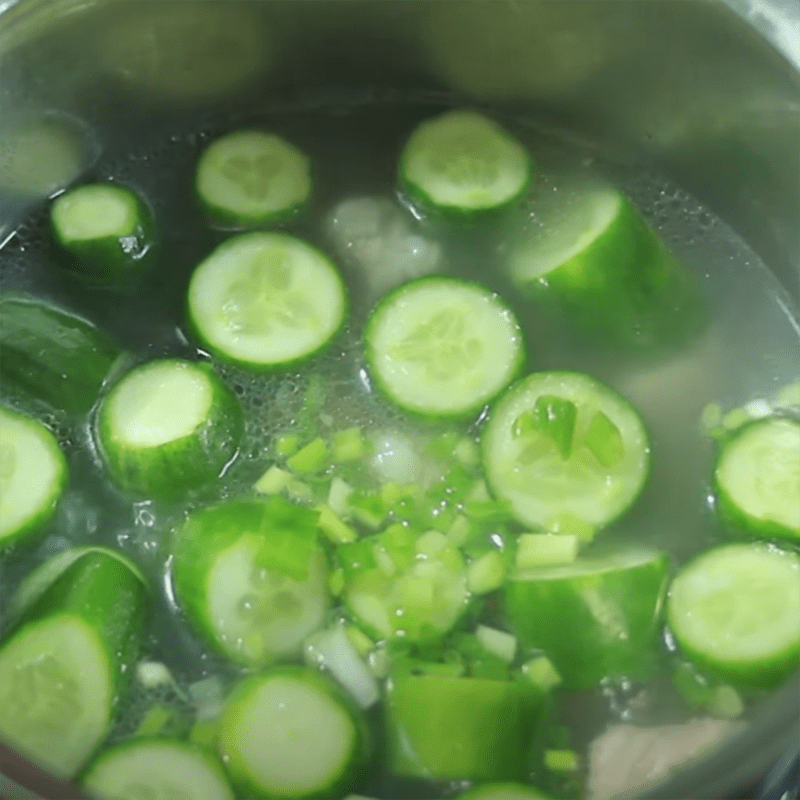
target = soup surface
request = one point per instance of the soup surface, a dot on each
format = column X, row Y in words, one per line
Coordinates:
column 747, row 350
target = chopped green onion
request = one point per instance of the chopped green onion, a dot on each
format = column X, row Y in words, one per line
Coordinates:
column 155, row 720
column 486, row 573
column 362, row 643
column 540, row 671
column 336, row 581
column 311, row 458
column 500, row 643
column 273, row 481
column 204, row 733
column 334, row 528
column 338, row 495
column 726, row 703
column 287, row 445
column 540, row 549
column 561, row 760
column 458, row 530
column 349, row 445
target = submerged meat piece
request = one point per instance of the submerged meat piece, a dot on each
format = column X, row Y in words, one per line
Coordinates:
column 626, row 757
column 377, row 237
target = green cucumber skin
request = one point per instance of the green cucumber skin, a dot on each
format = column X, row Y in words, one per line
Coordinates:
column 755, row 674
column 435, row 710
column 386, row 393
column 108, row 596
column 592, row 651
column 196, row 332
column 643, row 298
column 37, row 525
column 110, row 260
column 51, row 355
column 209, row 758
column 346, row 780
column 168, row 471
column 196, row 545
column 734, row 517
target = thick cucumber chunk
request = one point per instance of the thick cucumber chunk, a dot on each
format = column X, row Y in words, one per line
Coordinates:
column 251, row 178
column 252, row 578
column 735, row 610
column 290, row 733
column 593, row 618
column 52, row 355
column 266, row 300
column 450, row 728
column 462, row 163
column 167, row 427
column 757, row 478
column 106, row 227
column 33, row 475
column 590, row 252
column 442, row 347
column 563, row 447
column 63, row 667
column 159, row 769
column 401, row 584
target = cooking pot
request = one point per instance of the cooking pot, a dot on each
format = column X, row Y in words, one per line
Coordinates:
column 709, row 90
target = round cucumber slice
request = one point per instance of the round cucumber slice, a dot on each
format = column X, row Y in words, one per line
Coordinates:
column 250, row 178
column 56, row 692
column 735, row 610
column 462, row 163
column 448, row 728
column 442, row 347
column 593, row 618
column 591, row 252
column 757, row 478
column 290, row 733
column 561, row 447
column 503, row 791
column 265, row 300
column 251, row 577
column 157, row 768
column 167, row 427
column 33, row 476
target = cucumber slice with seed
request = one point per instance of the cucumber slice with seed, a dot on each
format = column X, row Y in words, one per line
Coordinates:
column 64, row 666
column 251, row 577
column 757, row 478
column 33, row 476
column 593, row 618
column 562, row 447
column 735, row 610
column 156, row 768
column 290, row 733
column 167, row 427
column 250, row 178
column 463, row 163
column 266, row 300
column 442, row 347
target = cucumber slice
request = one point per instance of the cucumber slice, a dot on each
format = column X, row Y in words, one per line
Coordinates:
column 251, row 577
column 250, row 178
column 462, row 163
column 442, row 347
column 503, row 791
column 610, row 608
column 52, row 355
column 168, row 426
column 549, row 485
column 735, row 610
column 398, row 584
column 757, row 478
column 593, row 255
column 290, row 733
column 266, row 300
column 452, row 728
column 64, row 666
column 33, row 476
column 157, row 768
column 106, row 227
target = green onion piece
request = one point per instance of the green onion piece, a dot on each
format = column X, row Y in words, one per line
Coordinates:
column 500, row 643
column 273, row 481
column 311, row 458
column 349, row 445
column 540, row 671
column 486, row 573
column 287, row 445
column 539, row 549
column 334, row 528
column 561, row 760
